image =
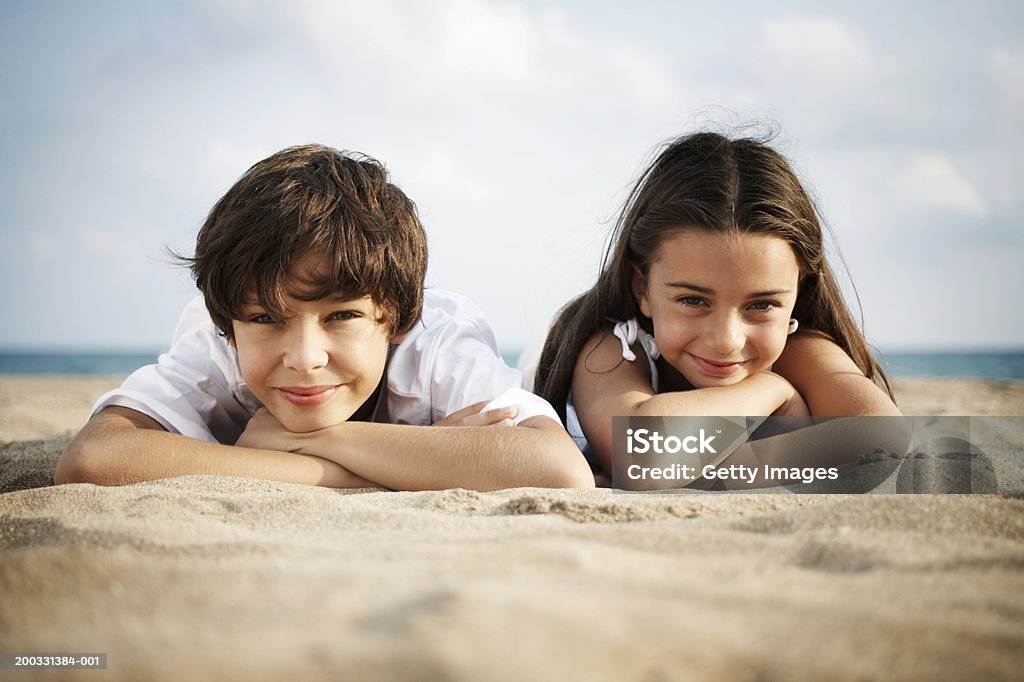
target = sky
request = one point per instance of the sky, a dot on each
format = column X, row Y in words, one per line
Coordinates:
column 517, row 128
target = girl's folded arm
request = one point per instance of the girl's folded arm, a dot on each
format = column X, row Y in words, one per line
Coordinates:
column 829, row 381
column 605, row 386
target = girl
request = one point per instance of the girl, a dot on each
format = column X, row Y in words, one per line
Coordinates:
column 716, row 261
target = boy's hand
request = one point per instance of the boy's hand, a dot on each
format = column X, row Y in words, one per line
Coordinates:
column 264, row 432
column 474, row 416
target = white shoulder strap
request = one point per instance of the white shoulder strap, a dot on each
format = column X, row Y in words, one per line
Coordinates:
column 630, row 332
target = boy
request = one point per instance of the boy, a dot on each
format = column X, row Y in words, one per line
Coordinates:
column 321, row 358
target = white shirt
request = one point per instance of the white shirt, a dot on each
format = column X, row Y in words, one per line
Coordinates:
column 448, row 361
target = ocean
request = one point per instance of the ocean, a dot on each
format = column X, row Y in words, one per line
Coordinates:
column 1006, row 365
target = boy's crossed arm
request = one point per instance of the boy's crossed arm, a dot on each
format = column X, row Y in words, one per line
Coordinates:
column 120, row 445
column 536, row 453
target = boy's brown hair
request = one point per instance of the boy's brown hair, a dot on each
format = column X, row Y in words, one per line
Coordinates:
column 312, row 199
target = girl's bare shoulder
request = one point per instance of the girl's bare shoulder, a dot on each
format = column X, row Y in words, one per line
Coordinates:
column 601, row 365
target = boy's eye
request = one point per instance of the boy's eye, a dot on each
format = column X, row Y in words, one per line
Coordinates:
column 343, row 315
column 262, row 318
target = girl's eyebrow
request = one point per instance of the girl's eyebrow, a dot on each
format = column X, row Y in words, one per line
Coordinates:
column 685, row 285
column 773, row 292
column 706, row 290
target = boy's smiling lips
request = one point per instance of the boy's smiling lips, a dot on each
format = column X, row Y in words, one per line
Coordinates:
column 307, row 396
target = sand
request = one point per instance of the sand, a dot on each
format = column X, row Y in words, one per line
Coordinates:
column 210, row 578
column 33, row 407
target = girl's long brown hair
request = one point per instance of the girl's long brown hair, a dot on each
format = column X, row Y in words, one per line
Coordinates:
column 710, row 182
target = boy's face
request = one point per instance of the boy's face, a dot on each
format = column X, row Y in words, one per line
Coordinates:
column 318, row 366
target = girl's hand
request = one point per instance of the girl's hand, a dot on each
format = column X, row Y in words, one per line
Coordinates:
column 794, row 407
column 474, row 416
column 793, row 404
column 264, row 432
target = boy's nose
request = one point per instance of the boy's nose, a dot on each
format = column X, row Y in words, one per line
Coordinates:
column 305, row 350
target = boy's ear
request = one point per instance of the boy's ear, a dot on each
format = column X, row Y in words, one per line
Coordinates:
column 639, row 285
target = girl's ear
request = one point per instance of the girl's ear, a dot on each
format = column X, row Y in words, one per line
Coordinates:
column 639, row 284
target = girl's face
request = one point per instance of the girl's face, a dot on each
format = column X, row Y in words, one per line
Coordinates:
column 720, row 304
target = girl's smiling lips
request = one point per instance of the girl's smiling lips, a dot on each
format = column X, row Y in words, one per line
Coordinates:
column 718, row 369
column 307, row 396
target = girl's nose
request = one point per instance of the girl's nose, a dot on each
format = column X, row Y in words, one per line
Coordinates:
column 726, row 333
column 306, row 349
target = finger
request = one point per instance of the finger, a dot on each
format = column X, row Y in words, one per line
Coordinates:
column 493, row 417
column 474, row 416
column 465, row 412
column 457, row 418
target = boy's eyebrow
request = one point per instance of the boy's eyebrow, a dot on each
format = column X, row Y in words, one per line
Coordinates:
column 332, row 298
column 342, row 298
column 335, row 298
column 706, row 290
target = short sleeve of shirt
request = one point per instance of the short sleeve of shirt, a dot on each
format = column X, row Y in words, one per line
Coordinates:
column 195, row 389
column 449, row 361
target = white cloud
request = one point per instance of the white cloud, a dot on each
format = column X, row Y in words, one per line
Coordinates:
column 1009, row 64
column 439, row 171
column 444, row 45
column 932, row 181
column 647, row 79
column 228, row 160
column 468, row 47
column 1006, row 78
column 97, row 241
column 42, row 247
column 489, row 41
column 818, row 45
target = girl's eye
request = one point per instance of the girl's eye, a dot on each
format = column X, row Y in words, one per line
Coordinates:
column 692, row 301
column 262, row 318
column 763, row 306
